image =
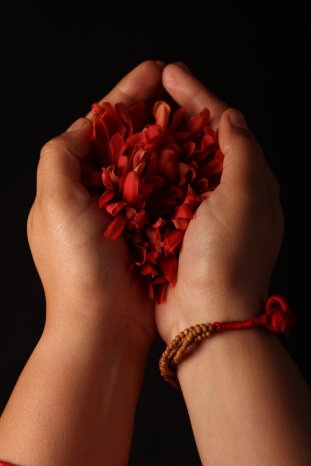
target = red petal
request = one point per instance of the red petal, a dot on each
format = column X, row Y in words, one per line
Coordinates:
column 123, row 168
column 159, row 279
column 169, row 265
column 97, row 109
column 117, row 147
column 192, row 199
column 148, row 137
column 219, row 156
column 154, row 237
column 139, row 156
column 140, row 220
column 112, row 121
column 140, row 253
column 172, row 239
column 137, row 114
column 184, row 211
column 201, row 185
column 100, row 139
column 156, row 181
column 147, row 269
column 159, row 223
column 193, row 126
column 188, row 149
column 197, row 122
column 146, row 191
column 178, row 118
column 152, row 256
column 168, row 164
column 115, row 228
column 114, row 208
column 105, row 198
column 161, row 111
column 181, row 223
column 124, row 114
column 130, row 212
column 213, row 167
column 110, row 177
column 187, row 174
column 130, row 190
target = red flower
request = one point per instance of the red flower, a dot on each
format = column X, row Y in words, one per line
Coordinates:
column 154, row 176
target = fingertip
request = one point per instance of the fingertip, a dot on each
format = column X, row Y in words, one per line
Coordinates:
column 171, row 73
column 235, row 138
column 183, row 65
column 232, row 123
column 236, row 118
column 149, row 64
column 190, row 93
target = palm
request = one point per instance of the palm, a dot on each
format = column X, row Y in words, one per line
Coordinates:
column 195, row 269
column 105, row 263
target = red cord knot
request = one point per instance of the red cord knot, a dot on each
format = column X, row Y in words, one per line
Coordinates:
column 278, row 318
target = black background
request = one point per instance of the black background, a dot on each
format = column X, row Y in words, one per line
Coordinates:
column 57, row 59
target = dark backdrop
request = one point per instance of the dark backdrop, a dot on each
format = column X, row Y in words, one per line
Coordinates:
column 58, row 59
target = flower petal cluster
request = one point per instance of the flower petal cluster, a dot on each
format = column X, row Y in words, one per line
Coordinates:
column 156, row 170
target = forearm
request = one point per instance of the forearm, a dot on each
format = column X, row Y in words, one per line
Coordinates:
column 75, row 400
column 247, row 401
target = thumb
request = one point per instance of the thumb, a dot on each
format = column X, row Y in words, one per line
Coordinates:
column 243, row 157
column 59, row 169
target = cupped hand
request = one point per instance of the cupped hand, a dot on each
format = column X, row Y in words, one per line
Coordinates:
column 84, row 275
column 231, row 245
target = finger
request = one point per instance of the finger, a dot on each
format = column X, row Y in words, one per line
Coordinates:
column 138, row 85
column 59, row 169
column 244, row 162
column 190, row 93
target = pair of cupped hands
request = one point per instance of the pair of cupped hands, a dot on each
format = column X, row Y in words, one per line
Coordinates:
column 228, row 253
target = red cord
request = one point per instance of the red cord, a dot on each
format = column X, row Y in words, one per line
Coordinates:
column 278, row 318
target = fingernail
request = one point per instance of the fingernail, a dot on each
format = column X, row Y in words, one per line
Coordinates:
column 78, row 124
column 237, row 119
column 160, row 63
column 183, row 65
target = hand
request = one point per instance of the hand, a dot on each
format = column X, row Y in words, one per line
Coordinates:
column 232, row 243
column 79, row 269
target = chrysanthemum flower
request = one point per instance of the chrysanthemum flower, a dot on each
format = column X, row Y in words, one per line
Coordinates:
column 154, row 176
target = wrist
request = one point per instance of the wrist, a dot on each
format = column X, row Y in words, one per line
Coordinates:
column 96, row 323
column 216, row 307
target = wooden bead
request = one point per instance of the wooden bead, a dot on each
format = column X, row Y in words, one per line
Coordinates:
column 176, row 350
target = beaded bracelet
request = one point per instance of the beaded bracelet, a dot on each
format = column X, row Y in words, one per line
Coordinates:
column 278, row 318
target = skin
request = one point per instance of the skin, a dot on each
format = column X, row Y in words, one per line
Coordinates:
column 247, row 402
column 75, row 400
